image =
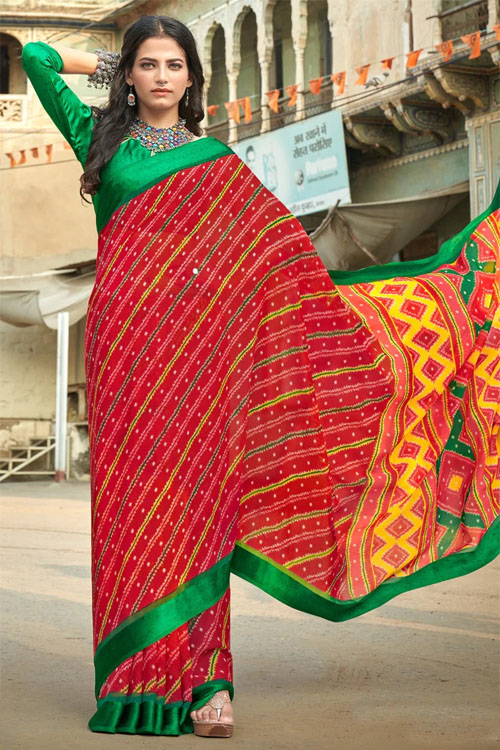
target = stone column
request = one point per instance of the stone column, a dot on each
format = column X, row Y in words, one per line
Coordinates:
column 208, row 77
column 265, row 44
column 233, row 88
column 265, row 66
column 299, row 78
column 337, row 18
column 299, row 38
column 437, row 34
column 493, row 14
column 332, row 23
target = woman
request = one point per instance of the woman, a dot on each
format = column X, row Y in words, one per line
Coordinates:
column 333, row 444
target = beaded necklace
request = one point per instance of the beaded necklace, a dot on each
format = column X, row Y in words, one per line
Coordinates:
column 160, row 139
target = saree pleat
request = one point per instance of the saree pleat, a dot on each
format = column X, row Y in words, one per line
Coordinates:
column 333, row 442
column 153, row 691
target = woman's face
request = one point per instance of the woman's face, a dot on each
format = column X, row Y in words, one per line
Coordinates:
column 160, row 63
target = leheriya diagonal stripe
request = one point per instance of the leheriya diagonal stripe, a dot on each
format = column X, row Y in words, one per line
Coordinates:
column 143, row 252
column 284, row 482
column 168, row 313
column 120, row 247
column 282, row 524
column 181, row 348
column 208, row 524
column 172, row 477
column 187, row 506
column 214, row 351
column 276, row 222
column 138, row 306
column 343, row 370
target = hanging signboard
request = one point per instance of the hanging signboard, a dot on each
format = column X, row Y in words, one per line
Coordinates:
column 304, row 164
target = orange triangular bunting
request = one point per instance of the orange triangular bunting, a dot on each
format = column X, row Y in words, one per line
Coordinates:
column 247, row 107
column 292, row 93
column 273, row 99
column 233, row 110
column 446, row 49
column 362, row 72
column 315, row 84
column 474, row 42
column 387, row 63
column 412, row 58
column 339, row 80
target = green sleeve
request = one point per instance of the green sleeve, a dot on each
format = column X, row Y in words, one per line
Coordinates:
column 71, row 116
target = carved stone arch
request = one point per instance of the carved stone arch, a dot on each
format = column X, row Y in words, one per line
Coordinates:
column 207, row 49
column 13, row 77
column 20, row 33
column 267, row 14
column 216, row 77
column 235, row 55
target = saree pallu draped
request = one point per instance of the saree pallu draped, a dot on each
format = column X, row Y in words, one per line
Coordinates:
column 331, row 438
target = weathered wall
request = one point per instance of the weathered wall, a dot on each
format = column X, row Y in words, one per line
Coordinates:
column 28, row 369
column 411, row 175
column 27, row 372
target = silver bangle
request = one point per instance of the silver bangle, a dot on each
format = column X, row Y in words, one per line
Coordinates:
column 106, row 68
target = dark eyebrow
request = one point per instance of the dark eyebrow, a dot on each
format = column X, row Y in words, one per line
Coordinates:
column 172, row 59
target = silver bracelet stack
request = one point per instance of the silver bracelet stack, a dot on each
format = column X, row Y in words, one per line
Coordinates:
column 106, row 67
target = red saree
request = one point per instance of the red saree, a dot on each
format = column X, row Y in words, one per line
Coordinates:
column 331, row 438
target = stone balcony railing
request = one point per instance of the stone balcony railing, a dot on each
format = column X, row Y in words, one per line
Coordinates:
column 13, row 109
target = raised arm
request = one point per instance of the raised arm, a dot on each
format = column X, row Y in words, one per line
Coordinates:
column 72, row 117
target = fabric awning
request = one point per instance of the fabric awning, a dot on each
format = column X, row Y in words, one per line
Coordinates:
column 36, row 299
column 357, row 235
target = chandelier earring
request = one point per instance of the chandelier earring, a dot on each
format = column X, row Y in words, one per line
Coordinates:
column 187, row 96
column 131, row 98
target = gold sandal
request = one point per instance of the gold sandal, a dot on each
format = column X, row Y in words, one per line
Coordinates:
column 209, row 727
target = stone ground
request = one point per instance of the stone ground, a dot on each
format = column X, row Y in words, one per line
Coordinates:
column 420, row 673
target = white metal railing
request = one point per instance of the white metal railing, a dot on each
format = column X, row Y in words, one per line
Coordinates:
column 22, row 457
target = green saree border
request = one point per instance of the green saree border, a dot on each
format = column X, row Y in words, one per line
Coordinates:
column 288, row 588
column 447, row 253
column 163, row 616
column 179, row 158
column 147, row 713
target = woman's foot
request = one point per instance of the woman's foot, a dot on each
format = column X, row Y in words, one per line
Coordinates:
column 215, row 718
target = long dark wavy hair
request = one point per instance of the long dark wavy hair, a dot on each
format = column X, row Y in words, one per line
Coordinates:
column 113, row 120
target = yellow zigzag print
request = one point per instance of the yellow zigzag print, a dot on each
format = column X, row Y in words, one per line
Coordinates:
column 413, row 411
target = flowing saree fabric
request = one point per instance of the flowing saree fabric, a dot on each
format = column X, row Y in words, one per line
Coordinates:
column 331, row 438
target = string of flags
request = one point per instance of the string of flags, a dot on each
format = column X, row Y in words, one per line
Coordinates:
column 473, row 41
column 43, row 153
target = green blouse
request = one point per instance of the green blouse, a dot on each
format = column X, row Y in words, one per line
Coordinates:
column 132, row 169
